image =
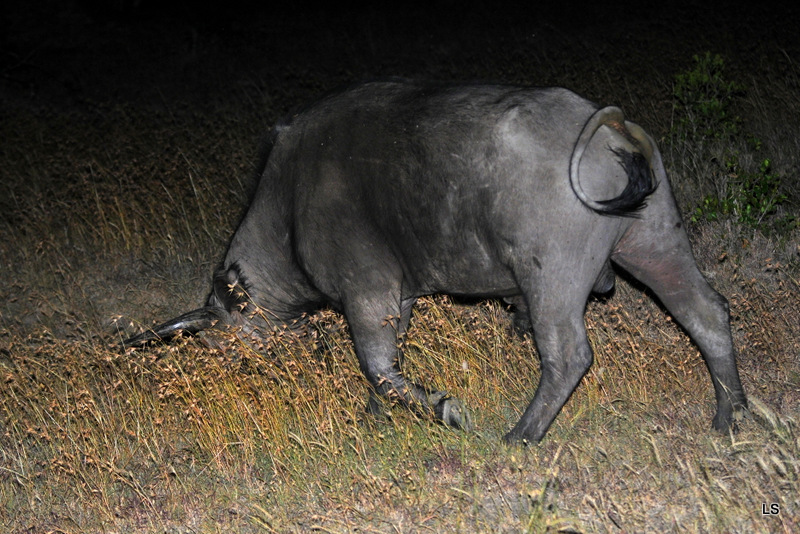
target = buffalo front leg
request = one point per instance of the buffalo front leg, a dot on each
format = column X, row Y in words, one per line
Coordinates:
column 377, row 323
column 565, row 357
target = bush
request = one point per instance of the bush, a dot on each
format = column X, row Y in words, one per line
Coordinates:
column 751, row 195
column 703, row 98
column 743, row 186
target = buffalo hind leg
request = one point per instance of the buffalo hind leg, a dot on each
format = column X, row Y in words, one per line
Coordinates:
column 565, row 356
column 377, row 323
column 520, row 315
column 668, row 268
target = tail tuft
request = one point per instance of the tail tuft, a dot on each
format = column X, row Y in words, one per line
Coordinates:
column 641, row 184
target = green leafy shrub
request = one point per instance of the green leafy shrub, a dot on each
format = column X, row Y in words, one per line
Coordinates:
column 703, row 99
column 744, row 187
column 751, row 196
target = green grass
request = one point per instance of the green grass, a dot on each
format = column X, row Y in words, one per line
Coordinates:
column 114, row 213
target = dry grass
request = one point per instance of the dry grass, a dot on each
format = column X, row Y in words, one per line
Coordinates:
column 184, row 437
column 114, row 211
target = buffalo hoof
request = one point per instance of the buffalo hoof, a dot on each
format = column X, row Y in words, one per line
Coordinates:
column 513, row 440
column 450, row 411
column 729, row 422
column 378, row 407
column 516, row 438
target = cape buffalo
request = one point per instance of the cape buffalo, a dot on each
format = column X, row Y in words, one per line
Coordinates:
column 390, row 190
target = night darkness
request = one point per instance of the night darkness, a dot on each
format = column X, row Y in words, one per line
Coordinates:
column 68, row 53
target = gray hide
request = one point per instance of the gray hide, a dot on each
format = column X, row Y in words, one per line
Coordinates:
column 387, row 191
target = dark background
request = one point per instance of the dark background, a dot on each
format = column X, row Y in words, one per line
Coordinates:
column 80, row 52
